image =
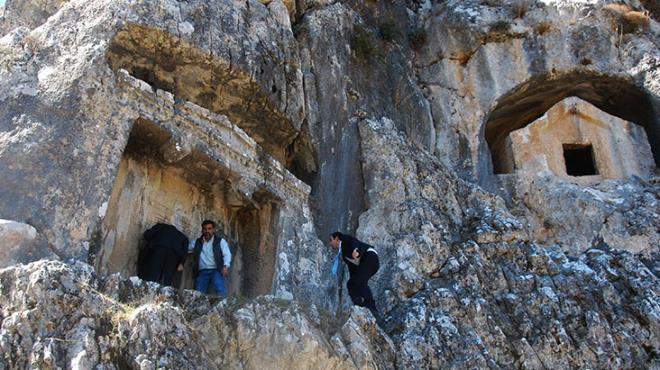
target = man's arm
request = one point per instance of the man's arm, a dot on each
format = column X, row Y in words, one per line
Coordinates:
column 226, row 257
column 226, row 253
column 360, row 248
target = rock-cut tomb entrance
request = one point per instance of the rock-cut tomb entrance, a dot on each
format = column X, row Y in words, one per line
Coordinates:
column 582, row 127
column 184, row 163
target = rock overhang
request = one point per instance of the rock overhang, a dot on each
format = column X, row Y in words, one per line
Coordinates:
column 87, row 126
column 213, row 135
column 617, row 149
column 213, row 81
column 619, row 96
column 479, row 54
column 258, row 202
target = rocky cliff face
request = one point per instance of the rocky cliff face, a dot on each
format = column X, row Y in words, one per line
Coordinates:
column 488, row 297
column 288, row 120
column 501, row 305
column 493, row 67
column 63, row 316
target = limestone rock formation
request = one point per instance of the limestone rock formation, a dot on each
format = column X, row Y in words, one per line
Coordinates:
column 61, row 315
column 29, row 14
column 491, row 67
column 418, row 210
column 595, row 146
column 522, row 306
column 18, row 239
column 77, row 109
column 427, row 129
column 494, row 305
column 621, row 214
column 469, row 290
column 347, row 66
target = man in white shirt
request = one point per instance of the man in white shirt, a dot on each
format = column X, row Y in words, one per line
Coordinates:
column 211, row 259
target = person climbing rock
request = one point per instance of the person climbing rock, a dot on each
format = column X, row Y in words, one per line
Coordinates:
column 164, row 253
column 362, row 261
column 211, row 259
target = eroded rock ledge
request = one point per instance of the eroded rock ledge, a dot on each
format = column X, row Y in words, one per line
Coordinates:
column 495, row 305
column 61, row 315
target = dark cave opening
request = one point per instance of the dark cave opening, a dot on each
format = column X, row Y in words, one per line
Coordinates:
column 148, row 189
column 579, row 160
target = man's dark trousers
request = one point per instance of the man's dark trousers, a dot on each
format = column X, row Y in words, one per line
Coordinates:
column 358, row 287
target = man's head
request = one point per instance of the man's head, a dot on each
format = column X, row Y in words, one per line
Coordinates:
column 335, row 238
column 208, row 229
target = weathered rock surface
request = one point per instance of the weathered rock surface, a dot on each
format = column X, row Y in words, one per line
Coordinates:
column 58, row 315
column 29, row 14
column 19, row 242
column 621, row 214
column 350, row 71
column 521, row 306
column 506, row 305
column 67, row 145
column 418, row 209
column 468, row 290
column 489, row 67
column 476, row 75
column 210, row 72
column 617, row 149
column 376, row 118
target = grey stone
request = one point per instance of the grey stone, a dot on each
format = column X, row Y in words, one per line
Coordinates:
column 19, row 243
column 318, row 116
column 55, row 314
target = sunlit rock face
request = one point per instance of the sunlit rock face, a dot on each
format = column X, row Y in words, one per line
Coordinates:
column 30, row 14
column 61, row 315
column 576, row 141
column 19, row 240
column 492, row 67
column 493, row 71
column 521, row 306
column 580, row 177
column 500, row 156
column 160, row 115
column 463, row 286
column 82, row 121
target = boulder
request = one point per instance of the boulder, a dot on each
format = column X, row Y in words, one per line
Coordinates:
column 18, row 241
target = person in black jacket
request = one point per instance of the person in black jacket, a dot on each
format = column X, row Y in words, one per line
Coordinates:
column 362, row 261
column 165, row 252
column 211, row 259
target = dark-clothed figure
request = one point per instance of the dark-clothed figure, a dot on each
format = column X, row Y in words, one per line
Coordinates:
column 165, row 251
column 211, row 260
column 362, row 261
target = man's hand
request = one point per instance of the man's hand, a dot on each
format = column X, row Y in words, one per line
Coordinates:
column 179, row 268
column 356, row 254
column 225, row 271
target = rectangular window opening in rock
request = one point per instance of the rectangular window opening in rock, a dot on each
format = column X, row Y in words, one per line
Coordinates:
column 579, row 159
column 151, row 186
